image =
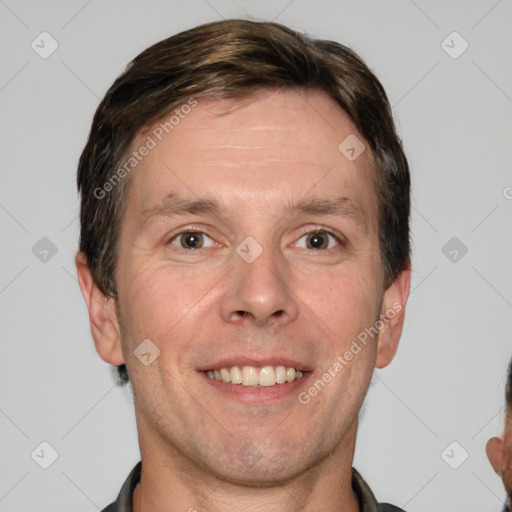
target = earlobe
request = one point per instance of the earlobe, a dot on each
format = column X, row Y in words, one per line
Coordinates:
column 102, row 315
column 495, row 454
column 392, row 317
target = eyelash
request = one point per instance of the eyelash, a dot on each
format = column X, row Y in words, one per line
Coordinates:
column 306, row 231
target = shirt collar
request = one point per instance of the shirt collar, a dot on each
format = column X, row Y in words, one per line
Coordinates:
column 124, row 502
column 367, row 500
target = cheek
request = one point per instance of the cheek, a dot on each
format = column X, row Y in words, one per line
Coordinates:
column 347, row 298
column 164, row 305
column 147, row 301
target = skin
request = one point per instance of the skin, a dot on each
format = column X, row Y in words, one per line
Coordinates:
column 257, row 158
column 499, row 452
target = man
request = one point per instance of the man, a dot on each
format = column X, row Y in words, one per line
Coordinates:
column 244, row 256
column 499, row 450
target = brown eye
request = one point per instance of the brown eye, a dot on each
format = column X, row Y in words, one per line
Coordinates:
column 191, row 240
column 319, row 240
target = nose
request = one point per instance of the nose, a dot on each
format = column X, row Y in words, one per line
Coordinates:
column 260, row 292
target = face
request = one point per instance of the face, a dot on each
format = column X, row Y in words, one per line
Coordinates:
column 249, row 240
column 507, row 471
column 499, row 452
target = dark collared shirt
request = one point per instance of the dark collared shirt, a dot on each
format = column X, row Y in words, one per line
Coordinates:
column 367, row 501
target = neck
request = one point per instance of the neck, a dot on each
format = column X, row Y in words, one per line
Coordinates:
column 170, row 481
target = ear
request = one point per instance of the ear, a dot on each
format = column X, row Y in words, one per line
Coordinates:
column 495, row 449
column 392, row 315
column 102, row 315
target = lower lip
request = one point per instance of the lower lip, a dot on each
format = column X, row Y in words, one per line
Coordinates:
column 258, row 394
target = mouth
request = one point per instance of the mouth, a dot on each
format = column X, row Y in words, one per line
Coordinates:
column 256, row 376
column 256, row 381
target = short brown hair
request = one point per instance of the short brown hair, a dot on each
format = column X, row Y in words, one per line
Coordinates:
column 232, row 59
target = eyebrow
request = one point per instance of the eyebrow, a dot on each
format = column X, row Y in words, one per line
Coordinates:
column 335, row 207
column 175, row 206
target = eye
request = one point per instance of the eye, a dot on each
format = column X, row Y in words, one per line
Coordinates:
column 320, row 239
column 191, row 240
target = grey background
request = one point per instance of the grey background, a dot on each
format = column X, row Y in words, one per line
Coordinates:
column 446, row 383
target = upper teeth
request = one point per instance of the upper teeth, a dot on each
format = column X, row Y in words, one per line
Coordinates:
column 253, row 376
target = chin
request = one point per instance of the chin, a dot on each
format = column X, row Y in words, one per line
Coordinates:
column 254, row 464
column 264, row 473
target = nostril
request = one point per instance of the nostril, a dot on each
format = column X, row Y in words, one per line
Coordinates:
column 237, row 315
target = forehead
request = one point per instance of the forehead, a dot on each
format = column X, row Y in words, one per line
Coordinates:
column 271, row 146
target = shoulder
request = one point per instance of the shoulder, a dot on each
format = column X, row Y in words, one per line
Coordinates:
column 367, row 500
column 386, row 507
column 124, row 501
column 111, row 508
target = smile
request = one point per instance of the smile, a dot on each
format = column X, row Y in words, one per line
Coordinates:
column 254, row 376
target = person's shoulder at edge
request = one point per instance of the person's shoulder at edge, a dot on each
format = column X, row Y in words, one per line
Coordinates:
column 366, row 497
column 124, row 501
